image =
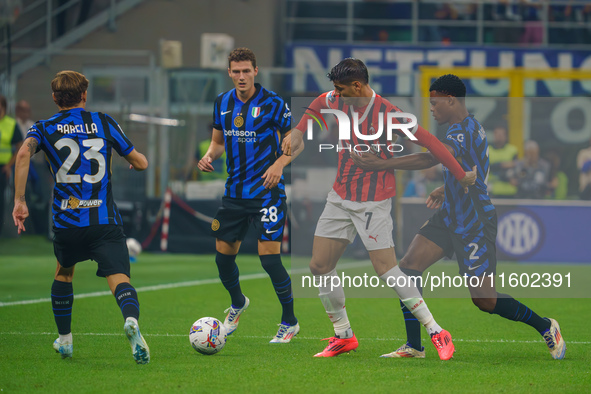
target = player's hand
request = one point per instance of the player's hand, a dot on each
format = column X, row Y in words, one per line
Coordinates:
column 205, row 164
column 469, row 179
column 292, row 142
column 368, row 161
column 272, row 176
column 19, row 214
column 286, row 145
column 436, row 198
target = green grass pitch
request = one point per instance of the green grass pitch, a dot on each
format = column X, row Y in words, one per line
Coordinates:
column 492, row 354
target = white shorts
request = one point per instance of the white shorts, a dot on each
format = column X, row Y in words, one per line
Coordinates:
column 345, row 219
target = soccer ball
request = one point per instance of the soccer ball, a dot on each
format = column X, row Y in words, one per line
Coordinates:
column 208, row 335
column 134, row 247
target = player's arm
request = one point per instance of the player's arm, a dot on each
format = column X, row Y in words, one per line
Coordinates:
column 415, row 161
column 293, row 140
column 446, row 154
column 215, row 151
column 21, row 173
column 438, row 153
column 436, row 197
column 295, row 137
column 123, row 146
column 136, row 160
column 442, row 152
column 287, row 159
column 273, row 174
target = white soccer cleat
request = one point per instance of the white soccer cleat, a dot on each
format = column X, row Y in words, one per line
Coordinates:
column 286, row 333
column 554, row 340
column 139, row 347
column 64, row 349
column 233, row 315
column 406, row 351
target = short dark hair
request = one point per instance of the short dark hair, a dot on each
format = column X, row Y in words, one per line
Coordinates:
column 242, row 54
column 349, row 70
column 449, row 84
column 3, row 103
column 67, row 87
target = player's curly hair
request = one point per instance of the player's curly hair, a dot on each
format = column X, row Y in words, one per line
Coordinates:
column 449, row 84
column 67, row 87
column 242, row 54
column 349, row 70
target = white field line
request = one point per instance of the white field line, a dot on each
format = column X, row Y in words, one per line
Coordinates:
column 99, row 334
column 178, row 284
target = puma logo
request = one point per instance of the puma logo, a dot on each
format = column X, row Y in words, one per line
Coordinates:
column 374, row 238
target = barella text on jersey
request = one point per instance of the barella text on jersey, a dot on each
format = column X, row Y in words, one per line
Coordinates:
column 77, row 128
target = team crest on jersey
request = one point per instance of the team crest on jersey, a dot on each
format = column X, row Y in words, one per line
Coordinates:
column 238, row 121
column 331, row 96
column 74, row 203
column 256, row 111
column 215, row 225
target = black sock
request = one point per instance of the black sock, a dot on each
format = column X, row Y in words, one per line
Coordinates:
column 413, row 327
column 126, row 298
column 229, row 275
column 509, row 308
column 62, row 298
column 282, row 284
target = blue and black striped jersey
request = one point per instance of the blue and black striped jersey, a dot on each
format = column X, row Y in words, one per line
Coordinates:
column 252, row 135
column 78, row 145
column 466, row 213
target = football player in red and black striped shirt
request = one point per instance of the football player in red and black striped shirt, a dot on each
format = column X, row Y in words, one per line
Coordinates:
column 359, row 203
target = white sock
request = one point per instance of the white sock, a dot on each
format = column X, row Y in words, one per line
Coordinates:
column 333, row 299
column 66, row 338
column 410, row 296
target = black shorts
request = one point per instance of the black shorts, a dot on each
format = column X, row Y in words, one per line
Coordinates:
column 476, row 252
column 104, row 244
column 236, row 214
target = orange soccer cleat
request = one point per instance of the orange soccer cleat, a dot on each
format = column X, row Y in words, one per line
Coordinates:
column 443, row 344
column 338, row 346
